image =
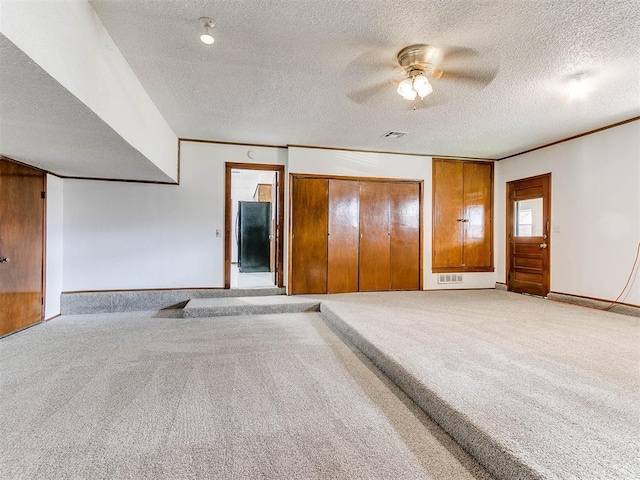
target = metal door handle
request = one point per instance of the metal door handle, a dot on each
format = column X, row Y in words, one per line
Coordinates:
column 543, row 245
column 4, row 260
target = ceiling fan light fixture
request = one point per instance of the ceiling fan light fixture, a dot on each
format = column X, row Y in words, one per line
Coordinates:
column 579, row 87
column 207, row 24
column 422, row 86
column 406, row 90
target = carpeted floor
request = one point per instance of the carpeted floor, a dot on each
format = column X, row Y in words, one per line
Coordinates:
column 556, row 386
column 281, row 397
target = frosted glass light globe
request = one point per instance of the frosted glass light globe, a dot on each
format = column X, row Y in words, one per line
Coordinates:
column 405, row 89
column 422, row 86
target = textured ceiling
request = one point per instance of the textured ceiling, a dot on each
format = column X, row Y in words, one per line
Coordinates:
column 288, row 72
column 44, row 125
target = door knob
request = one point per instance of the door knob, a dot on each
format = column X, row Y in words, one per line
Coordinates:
column 4, row 260
column 543, row 245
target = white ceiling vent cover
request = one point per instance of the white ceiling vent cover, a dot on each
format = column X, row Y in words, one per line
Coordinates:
column 448, row 278
column 394, row 134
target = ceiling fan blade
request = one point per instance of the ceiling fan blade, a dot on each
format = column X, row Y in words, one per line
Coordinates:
column 477, row 78
column 362, row 95
column 377, row 59
column 452, row 54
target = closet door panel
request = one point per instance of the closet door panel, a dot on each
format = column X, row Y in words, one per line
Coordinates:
column 405, row 236
column 343, row 239
column 375, row 249
column 477, row 213
column 309, row 214
column 447, row 214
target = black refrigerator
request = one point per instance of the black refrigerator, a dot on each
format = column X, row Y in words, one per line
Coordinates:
column 253, row 232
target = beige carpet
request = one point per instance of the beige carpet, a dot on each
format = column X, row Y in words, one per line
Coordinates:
column 117, row 396
column 535, row 389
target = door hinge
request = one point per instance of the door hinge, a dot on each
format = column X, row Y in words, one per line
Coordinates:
column 43, row 195
column 41, row 300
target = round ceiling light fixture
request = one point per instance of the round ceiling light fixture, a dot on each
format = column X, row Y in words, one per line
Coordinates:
column 207, row 25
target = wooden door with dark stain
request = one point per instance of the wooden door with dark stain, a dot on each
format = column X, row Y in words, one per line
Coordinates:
column 344, row 233
column 375, row 236
column 21, row 246
column 448, row 215
column 477, row 224
column 405, row 236
column 309, row 215
column 528, row 236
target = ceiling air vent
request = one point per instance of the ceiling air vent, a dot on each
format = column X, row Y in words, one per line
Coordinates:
column 450, row 278
column 395, row 134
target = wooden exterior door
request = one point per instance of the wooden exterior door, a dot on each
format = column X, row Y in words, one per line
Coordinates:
column 528, row 236
column 343, row 236
column 21, row 246
column 309, row 228
column 405, row 236
column 375, row 236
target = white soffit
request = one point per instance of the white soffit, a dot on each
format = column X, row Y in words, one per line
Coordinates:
column 44, row 125
column 73, row 50
column 284, row 72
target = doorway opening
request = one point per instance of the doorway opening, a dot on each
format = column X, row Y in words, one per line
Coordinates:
column 528, row 235
column 253, row 225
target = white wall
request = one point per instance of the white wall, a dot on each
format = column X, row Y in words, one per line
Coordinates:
column 595, row 210
column 365, row 164
column 54, row 246
column 70, row 43
column 134, row 236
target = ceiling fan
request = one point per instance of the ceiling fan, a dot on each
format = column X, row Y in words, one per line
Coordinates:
column 420, row 63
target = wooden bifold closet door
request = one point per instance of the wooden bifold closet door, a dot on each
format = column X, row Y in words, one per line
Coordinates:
column 351, row 235
column 309, row 210
column 375, row 236
column 343, row 237
column 405, row 236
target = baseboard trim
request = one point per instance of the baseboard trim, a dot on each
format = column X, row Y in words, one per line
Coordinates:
column 51, row 318
column 597, row 303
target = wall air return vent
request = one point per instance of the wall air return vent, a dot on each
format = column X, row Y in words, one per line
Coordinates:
column 448, row 278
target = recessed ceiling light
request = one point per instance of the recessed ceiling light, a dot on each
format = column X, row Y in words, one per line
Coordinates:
column 207, row 25
column 579, row 86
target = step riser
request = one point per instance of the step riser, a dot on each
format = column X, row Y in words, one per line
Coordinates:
column 75, row 303
column 228, row 311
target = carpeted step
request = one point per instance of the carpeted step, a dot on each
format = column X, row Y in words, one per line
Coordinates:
column 224, row 307
column 74, row 303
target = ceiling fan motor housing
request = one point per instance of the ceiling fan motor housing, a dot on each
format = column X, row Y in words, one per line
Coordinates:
column 418, row 58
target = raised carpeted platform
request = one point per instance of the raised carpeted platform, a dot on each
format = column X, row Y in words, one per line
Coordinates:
column 531, row 388
column 234, row 306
